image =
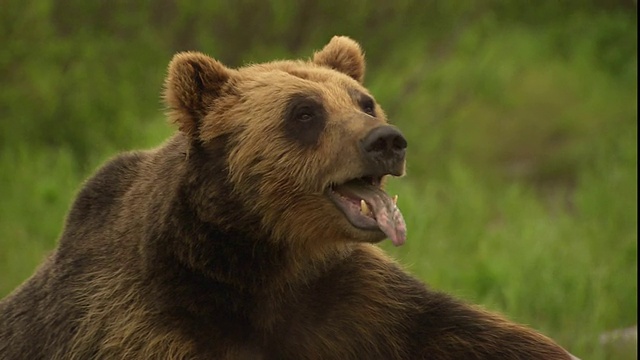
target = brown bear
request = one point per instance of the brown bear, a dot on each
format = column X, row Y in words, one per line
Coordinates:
column 250, row 235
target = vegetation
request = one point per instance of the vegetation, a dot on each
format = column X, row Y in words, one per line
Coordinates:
column 521, row 190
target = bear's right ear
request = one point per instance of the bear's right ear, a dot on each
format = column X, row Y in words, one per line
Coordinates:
column 193, row 82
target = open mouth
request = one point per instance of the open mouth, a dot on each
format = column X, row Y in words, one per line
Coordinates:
column 368, row 207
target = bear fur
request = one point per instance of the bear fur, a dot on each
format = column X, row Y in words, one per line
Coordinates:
column 237, row 238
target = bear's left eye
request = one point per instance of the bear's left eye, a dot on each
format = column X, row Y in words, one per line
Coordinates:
column 305, row 118
column 304, row 114
column 368, row 106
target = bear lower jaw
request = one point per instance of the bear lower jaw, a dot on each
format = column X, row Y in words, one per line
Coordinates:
column 367, row 207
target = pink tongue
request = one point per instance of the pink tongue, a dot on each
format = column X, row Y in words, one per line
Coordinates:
column 390, row 220
column 387, row 215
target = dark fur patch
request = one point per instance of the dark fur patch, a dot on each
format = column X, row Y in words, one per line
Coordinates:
column 365, row 102
column 305, row 119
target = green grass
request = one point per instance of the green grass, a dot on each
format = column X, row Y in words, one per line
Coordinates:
column 569, row 273
column 521, row 190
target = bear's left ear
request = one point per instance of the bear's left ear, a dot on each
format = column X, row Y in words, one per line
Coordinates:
column 194, row 80
column 344, row 55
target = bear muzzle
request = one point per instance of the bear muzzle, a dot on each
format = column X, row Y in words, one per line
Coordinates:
column 362, row 200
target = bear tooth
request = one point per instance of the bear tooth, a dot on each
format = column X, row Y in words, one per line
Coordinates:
column 395, row 199
column 364, row 208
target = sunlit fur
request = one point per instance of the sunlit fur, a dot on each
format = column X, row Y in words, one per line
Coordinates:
column 221, row 243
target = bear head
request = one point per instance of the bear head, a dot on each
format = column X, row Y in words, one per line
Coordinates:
column 301, row 146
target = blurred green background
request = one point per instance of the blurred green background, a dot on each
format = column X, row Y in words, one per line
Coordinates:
column 521, row 117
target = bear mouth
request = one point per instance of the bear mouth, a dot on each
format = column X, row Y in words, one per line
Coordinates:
column 368, row 207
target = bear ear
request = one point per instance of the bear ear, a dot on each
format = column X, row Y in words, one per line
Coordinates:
column 342, row 54
column 194, row 80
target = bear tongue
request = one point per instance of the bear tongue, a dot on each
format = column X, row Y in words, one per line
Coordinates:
column 389, row 218
column 386, row 214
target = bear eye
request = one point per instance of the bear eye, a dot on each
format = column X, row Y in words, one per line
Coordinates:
column 304, row 119
column 368, row 106
column 304, row 114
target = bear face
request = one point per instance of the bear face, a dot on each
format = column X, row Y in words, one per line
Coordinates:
column 318, row 177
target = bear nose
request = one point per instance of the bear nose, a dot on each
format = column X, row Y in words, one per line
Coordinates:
column 384, row 148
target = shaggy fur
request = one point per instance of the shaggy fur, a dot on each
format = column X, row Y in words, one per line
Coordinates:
column 222, row 244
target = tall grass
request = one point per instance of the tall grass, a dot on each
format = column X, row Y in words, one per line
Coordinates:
column 521, row 190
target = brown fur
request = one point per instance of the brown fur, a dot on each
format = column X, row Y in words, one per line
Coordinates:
column 221, row 243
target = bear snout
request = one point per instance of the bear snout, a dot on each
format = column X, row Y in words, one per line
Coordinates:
column 384, row 149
